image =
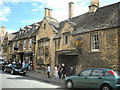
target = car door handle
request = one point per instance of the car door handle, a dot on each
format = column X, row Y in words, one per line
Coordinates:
column 99, row 77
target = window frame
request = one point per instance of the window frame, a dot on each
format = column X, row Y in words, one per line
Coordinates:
column 84, row 71
column 24, row 44
column 93, row 73
column 30, row 44
column 95, row 42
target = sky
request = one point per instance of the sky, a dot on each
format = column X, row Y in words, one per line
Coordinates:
column 16, row 14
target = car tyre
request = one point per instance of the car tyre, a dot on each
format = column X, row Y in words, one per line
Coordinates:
column 12, row 72
column 69, row 84
column 106, row 87
column 24, row 74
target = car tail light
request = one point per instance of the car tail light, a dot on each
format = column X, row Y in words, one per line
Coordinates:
column 111, row 72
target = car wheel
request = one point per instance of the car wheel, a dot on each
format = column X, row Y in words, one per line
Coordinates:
column 69, row 84
column 106, row 87
column 12, row 72
column 24, row 74
column 5, row 70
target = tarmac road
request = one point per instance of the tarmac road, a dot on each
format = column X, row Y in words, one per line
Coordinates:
column 17, row 81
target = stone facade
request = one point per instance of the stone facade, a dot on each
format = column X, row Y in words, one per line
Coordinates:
column 2, row 34
column 90, row 40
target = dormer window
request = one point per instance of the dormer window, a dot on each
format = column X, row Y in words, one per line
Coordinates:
column 26, row 30
column 34, row 27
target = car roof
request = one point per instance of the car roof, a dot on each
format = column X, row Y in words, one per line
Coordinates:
column 102, row 69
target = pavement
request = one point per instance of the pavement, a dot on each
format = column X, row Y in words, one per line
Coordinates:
column 43, row 77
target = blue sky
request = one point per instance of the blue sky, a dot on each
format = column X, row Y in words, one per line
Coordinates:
column 15, row 14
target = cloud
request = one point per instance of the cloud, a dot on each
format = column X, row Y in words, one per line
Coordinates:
column 10, row 30
column 59, row 7
column 29, row 21
column 35, row 4
column 34, row 10
column 4, row 12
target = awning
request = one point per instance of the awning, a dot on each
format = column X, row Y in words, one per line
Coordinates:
column 68, row 52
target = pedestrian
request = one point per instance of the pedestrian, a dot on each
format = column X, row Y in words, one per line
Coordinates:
column 48, row 70
column 26, row 66
column 63, row 71
column 71, row 71
column 55, row 72
column 59, row 70
column 14, row 64
column 23, row 65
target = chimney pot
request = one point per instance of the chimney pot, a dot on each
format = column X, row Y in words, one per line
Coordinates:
column 48, row 12
column 94, row 4
column 71, row 9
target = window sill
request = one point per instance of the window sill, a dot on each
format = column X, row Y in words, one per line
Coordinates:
column 91, row 52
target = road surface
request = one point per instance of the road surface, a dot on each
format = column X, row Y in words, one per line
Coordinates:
column 17, row 81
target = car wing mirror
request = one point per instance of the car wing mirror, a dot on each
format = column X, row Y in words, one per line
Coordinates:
column 79, row 75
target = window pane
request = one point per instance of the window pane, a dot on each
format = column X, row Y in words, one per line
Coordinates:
column 94, row 42
column 97, row 73
column 86, row 73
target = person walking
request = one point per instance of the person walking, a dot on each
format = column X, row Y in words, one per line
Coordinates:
column 23, row 64
column 55, row 72
column 26, row 65
column 59, row 70
column 48, row 70
column 63, row 71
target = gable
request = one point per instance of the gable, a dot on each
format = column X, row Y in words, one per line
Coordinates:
column 45, row 30
column 67, row 28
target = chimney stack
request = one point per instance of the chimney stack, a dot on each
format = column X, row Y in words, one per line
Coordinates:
column 2, row 30
column 71, row 9
column 94, row 4
column 48, row 12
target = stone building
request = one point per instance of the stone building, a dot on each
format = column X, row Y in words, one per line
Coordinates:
column 6, row 45
column 2, row 34
column 91, row 39
column 23, row 44
column 85, row 41
column 45, row 49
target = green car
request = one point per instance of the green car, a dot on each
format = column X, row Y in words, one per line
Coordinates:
column 95, row 78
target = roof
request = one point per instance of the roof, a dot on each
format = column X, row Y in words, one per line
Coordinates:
column 104, row 17
column 54, row 23
column 32, row 32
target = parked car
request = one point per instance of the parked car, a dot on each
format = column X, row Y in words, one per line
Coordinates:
column 95, row 78
column 2, row 63
column 15, row 69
